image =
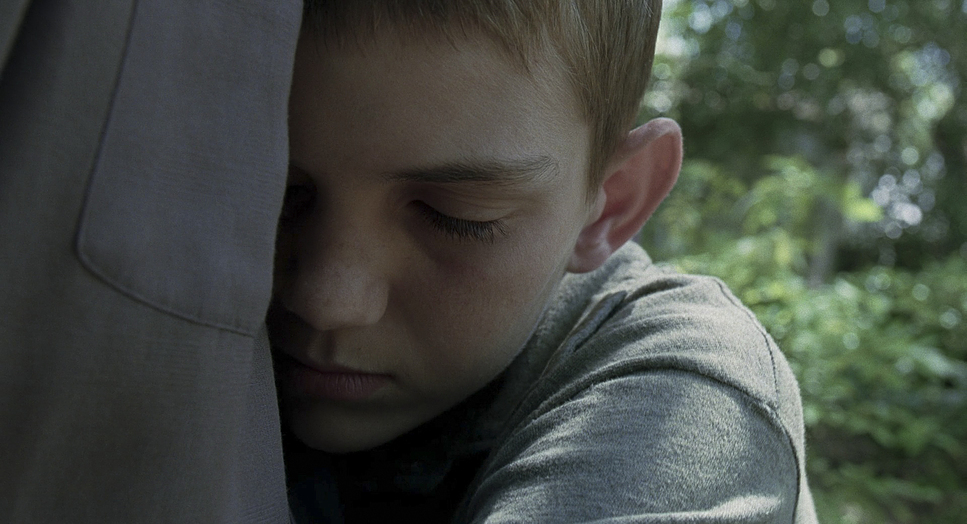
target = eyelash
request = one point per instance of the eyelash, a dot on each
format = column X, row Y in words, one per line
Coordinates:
column 458, row 228
column 300, row 198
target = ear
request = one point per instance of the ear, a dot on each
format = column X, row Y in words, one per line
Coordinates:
column 636, row 180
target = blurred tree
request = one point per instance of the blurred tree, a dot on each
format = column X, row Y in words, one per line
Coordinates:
column 826, row 147
column 869, row 92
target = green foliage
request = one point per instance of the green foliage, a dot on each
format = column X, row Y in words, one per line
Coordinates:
column 870, row 92
column 880, row 353
column 826, row 146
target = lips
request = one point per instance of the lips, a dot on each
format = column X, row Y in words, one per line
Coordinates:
column 329, row 382
column 304, row 378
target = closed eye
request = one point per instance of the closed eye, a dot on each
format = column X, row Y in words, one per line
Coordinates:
column 461, row 229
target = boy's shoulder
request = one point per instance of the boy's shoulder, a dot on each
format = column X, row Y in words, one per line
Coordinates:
column 647, row 380
column 633, row 316
column 648, row 316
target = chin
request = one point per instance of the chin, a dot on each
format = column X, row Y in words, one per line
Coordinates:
column 336, row 444
column 342, row 432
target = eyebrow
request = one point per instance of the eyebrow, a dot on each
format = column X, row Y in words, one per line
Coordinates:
column 520, row 171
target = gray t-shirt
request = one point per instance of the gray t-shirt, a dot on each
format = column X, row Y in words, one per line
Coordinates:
column 643, row 396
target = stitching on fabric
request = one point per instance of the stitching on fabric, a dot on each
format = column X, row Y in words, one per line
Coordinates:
column 770, row 347
column 89, row 264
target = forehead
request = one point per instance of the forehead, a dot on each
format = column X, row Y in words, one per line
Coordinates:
column 387, row 102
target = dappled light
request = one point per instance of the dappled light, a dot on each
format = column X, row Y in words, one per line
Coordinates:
column 826, row 147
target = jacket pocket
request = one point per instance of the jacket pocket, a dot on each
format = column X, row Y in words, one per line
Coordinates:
column 183, row 199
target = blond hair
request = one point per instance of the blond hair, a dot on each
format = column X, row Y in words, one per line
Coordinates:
column 606, row 46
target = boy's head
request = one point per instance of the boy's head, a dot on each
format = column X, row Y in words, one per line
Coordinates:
column 439, row 190
column 604, row 48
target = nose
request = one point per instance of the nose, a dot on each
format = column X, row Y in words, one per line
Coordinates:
column 334, row 276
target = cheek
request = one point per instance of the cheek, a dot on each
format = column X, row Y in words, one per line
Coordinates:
column 487, row 302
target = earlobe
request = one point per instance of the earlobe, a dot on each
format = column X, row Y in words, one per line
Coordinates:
column 637, row 179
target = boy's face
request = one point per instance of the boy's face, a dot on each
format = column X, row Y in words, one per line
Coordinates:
column 436, row 194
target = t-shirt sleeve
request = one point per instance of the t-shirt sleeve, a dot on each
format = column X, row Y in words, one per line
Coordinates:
column 659, row 446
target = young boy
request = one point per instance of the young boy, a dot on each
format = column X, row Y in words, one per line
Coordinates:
column 462, row 332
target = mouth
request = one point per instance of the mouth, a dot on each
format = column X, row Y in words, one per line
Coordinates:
column 328, row 382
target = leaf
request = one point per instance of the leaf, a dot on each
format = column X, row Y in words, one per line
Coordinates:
column 857, row 208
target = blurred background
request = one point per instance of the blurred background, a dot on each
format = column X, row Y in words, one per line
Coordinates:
column 826, row 182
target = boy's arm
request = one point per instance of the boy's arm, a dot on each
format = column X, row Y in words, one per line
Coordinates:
column 660, row 446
